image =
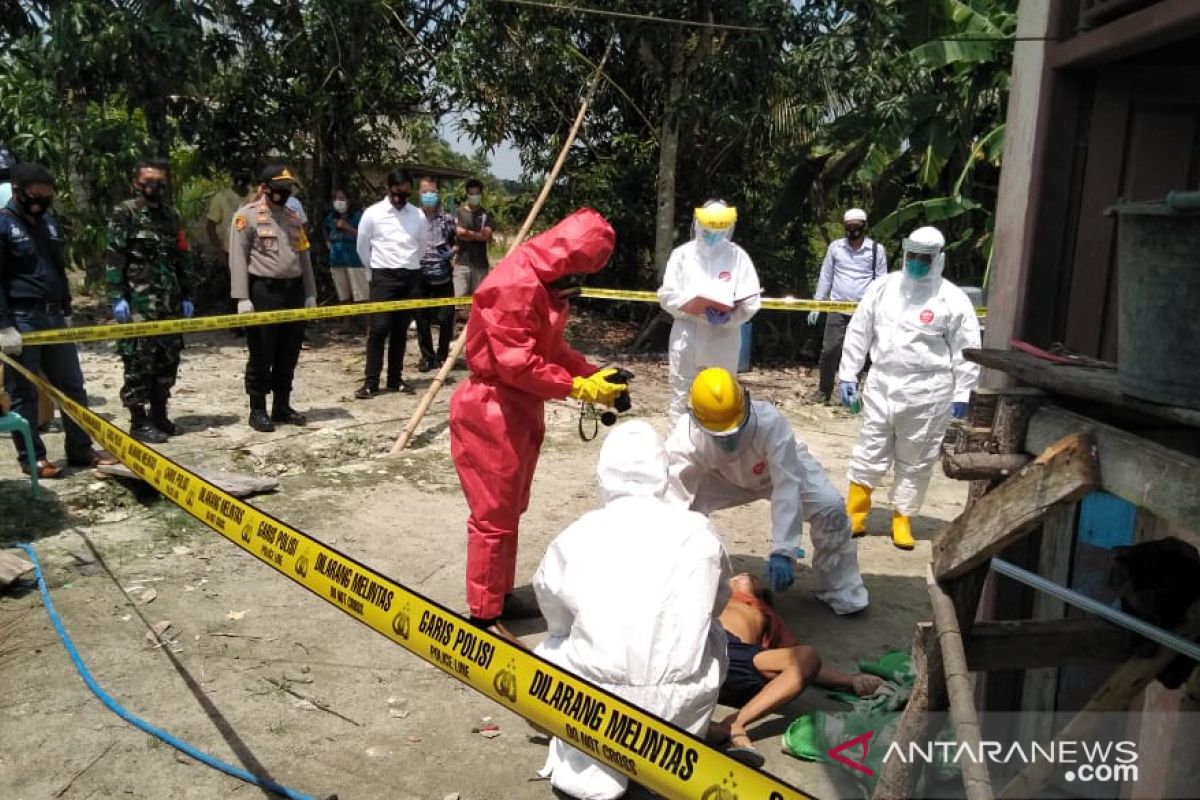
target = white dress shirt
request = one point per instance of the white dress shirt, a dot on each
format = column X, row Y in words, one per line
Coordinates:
column 846, row 273
column 390, row 237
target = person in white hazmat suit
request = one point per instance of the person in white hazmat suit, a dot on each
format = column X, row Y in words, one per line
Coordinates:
column 731, row 450
column 660, row 647
column 710, row 287
column 915, row 325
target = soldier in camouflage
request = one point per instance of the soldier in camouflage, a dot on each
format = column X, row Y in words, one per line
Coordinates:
column 149, row 278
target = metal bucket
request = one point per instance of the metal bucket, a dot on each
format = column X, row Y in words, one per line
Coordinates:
column 1158, row 330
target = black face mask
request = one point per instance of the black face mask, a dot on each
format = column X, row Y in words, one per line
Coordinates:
column 854, row 234
column 34, row 206
column 153, row 191
column 398, row 198
column 279, row 194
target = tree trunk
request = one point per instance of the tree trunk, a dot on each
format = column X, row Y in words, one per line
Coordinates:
column 664, row 222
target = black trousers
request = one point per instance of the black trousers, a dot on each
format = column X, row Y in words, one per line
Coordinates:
column 390, row 329
column 831, row 349
column 442, row 317
column 274, row 349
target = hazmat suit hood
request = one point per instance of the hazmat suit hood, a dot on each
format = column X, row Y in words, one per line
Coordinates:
column 579, row 244
column 633, row 463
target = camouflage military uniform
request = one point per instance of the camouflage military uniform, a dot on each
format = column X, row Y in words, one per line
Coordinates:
column 149, row 266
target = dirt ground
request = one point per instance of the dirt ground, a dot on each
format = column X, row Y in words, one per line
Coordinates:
column 403, row 729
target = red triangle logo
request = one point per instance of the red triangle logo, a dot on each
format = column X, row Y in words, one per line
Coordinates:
column 863, row 739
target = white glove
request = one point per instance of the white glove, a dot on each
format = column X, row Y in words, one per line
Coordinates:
column 813, row 316
column 10, row 342
column 310, row 302
column 245, row 307
column 68, row 322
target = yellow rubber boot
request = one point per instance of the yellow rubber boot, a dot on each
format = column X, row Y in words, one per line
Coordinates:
column 902, row 532
column 858, row 506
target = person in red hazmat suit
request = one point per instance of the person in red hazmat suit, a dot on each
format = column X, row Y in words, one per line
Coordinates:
column 518, row 360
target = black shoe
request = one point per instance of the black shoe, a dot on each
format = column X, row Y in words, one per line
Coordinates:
column 260, row 421
column 145, row 431
column 494, row 626
column 425, row 365
column 159, row 417
column 515, row 608
column 401, row 387
column 367, row 390
column 288, row 416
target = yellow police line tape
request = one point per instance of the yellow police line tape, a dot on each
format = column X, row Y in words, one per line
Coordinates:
column 220, row 322
column 768, row 303
column 657, row 754
column 132, row 330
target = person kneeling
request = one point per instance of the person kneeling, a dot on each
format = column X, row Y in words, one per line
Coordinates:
column 767, row 667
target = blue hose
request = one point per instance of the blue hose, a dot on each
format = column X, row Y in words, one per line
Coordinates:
column 138, row 722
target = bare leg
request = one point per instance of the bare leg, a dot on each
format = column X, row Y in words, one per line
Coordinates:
column 789, row 670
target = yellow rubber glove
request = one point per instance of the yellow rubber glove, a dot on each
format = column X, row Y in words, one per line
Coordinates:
column 596, row 389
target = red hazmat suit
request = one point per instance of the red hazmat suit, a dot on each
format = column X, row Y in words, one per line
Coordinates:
column 518, row 359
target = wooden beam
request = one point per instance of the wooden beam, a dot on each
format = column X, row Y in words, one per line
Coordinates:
column 1158, row 24
column 1065, row 472
column 898, row 780
column 1030, row 644
column 982, row 466
column 961, row 694
column 1115, row 695
column 1149, row 475
column 1084, row 382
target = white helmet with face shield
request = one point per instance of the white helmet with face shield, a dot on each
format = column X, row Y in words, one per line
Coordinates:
column 714, row 223
column 923, row 256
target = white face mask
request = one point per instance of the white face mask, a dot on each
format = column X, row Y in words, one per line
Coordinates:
column 474, row 199
column 340, row 206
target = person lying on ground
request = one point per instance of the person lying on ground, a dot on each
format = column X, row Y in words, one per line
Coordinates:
column 767, row 667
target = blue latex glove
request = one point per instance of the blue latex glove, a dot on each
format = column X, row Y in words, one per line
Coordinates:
column 189, row 308
column 813, row 317
column 958, row 410
column 848, row 393
column 780, row 572
column 120, row 310
column 716, row 317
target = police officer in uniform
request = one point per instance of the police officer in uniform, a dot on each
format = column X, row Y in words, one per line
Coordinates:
column 270, row 269
column 149, row 277
column 34, row 295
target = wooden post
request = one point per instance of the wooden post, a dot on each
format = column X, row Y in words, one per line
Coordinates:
column 1115, row 695
column 459, row 343
column 959, row 690
column 898, row 780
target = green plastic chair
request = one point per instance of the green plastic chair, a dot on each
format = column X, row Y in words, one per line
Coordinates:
column 12, row 421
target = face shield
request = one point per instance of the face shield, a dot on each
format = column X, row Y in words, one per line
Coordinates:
column 714, row 223
column 923, row 257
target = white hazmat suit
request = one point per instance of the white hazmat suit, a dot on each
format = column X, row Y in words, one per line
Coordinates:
column 632, row 595
column 769, row 463
column 722, row 272
column 915, row 331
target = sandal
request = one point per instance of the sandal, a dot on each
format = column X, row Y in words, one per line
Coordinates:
column 45, row 469
column 741, row 750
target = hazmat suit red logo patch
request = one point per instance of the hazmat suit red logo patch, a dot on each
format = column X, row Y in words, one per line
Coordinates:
column 758, row 468
column 926, row 316
column 725, row 275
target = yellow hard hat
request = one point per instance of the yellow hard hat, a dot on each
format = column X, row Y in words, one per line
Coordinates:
column 718, row 401
column 716, row 216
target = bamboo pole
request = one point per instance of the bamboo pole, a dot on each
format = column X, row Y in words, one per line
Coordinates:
column 459, row 343
column 958, row 688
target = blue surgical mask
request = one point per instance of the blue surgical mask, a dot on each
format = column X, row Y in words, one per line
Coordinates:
column 916, row 269
column 711, row 238
column 429, row 199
